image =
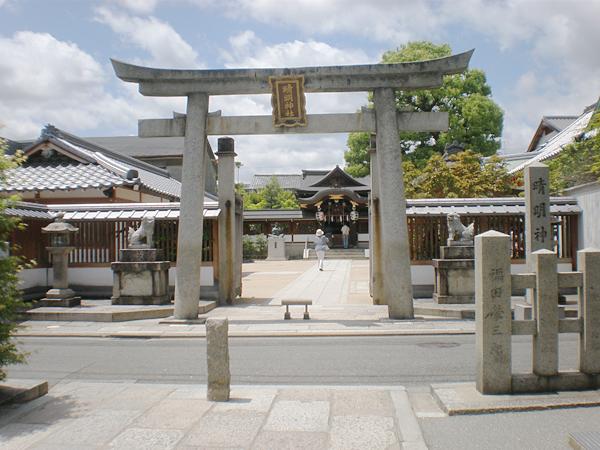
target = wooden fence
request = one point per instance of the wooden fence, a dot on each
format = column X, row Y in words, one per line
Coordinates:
column 98, row 242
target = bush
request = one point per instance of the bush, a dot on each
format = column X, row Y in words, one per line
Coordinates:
column 254, row 247
column 10, row 295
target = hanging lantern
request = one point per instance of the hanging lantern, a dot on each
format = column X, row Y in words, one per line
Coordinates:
column 354, row 215
column 320, row 216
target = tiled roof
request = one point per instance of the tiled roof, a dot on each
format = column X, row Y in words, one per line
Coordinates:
column 559, row 123
column 170, row 210
column 302, row 181
column 89, row 166
column 556, row 144
column 491, row 206
column 108, row 211
column 60, row 177
column 285, row 181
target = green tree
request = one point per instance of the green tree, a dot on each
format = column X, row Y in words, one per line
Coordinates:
column 272, row 196
column 465, row 175
column 579, row 162
column 475, row 121
column 10, row 295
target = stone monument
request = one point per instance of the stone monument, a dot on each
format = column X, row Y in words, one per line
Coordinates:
column 141, row 277
column 455, row 270
column 60, row 233
column 217, row 360
column 276, row 245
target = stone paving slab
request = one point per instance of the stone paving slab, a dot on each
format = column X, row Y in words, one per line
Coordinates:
column 463, row 398
column 158, row 416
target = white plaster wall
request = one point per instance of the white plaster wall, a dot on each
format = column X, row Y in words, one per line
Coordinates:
column 363, row 237
column 422, row 274
column 91, row 276
column 29, row 278
column 588, row 198
column 95, row 276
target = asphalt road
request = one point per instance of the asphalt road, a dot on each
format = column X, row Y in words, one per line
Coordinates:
column 397, row 360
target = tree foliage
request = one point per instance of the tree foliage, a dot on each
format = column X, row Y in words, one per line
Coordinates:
column 10, row 295
column 272, row 196
column 579, row 162
column 465, row 175
column 475, row 120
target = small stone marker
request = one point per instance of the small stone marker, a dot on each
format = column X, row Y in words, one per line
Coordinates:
column 493, row 320
column 217, row 359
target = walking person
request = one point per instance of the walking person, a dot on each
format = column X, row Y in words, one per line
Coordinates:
column 346, row 235
column 321, row 241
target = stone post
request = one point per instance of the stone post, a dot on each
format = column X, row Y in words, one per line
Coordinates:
column 493, row 322
column 538, row 226
column 227, row 238
column 239, row 235
column 588, row 262
column 217, row 360
column 545, row 309
column 375, row 232
column 396, row 280
column 191, row 216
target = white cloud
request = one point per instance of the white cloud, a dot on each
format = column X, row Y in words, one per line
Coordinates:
column 288, row 154
column 44, row 80
column 137, row 6
column 383, row 20
column 165, row 46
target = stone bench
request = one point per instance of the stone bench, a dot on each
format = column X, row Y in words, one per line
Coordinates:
column 288, row 303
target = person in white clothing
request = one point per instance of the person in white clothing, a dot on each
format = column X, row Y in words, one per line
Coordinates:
column 321, row 245
column 346, row 234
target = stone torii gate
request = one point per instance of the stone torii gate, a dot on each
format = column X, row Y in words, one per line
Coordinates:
column 391, row 263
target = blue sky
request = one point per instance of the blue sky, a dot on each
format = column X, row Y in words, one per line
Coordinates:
column 540, row 58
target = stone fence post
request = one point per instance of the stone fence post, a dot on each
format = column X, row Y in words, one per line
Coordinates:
column 588, row 262
column 545, row 313
column 493, row 321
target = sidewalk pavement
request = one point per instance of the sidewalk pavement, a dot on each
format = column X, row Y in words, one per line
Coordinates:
column 76, row 415
column 341, row 307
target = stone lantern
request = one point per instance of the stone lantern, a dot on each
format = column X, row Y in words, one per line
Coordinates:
column 60, row 233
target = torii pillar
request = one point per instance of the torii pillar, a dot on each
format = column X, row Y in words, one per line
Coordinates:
column 228, row 242
column 191, row 215
column 394, row 258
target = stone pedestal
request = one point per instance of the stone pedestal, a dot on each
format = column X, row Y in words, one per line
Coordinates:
column 60, row 294
column 61, row 297
column 454, row 275
column 140, row 278
column 276, row 248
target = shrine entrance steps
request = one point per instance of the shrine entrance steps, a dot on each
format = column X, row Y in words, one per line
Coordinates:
column 341, row 253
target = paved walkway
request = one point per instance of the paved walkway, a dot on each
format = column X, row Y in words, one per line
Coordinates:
column 341, row 306
column 128, row 416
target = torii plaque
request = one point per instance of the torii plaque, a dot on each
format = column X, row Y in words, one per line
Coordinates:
column 197, row 85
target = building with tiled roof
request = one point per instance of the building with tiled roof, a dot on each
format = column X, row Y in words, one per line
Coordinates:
column 554, row 145
column 61, row 167
column 549, row 127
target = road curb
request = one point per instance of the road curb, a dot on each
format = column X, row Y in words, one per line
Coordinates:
column 233, row 334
